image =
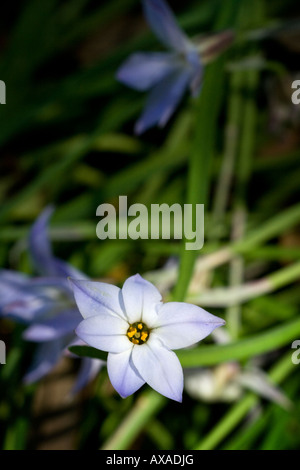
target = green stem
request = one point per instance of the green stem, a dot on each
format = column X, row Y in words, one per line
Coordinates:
column 260, row 343
column 250, row 12
column 285, row 276
column 207, row 110
column 236, row 269
column 224, row 297
column 146, row 406
column 248, row 246
column 270, row 229
column 231, row 144
column 199, row 173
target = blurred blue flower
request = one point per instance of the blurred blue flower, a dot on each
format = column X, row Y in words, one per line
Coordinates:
column 168, row 74
column 46, row 304
column 139, row 332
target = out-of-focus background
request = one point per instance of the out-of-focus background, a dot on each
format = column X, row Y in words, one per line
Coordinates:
column 66, row 138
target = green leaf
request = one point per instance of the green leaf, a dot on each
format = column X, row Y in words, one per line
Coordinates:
column 87, row 351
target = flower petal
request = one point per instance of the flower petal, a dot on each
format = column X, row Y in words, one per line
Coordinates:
column 14, row 276
column 163, row 99
column 65, row 270
column 97, row 298
column 141, row 71
column 51, row 328
column 163, row 23
column 180, row 324
column 140, row 300
column 88, row 370
column 105, row 332
column 41, row 252
column 27, row 308
column 46, row 357
column 160, row 368
column 14, row 287
column 123, row 374
column 39, row 245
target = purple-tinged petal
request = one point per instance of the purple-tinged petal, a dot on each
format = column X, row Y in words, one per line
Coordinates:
column 54, row 283
column 14, row 277
column 88, row 370
column 163, row 100
column 123, row 374
column 33, row 299
column 97, row 298
column 141, row 71
column 46, row 357
column 140, row 300
column 105, row 332
column 27, row 308
column 163, row 23
column 41, row 251
column 52, row 328
column 180, row 324
column 13, row 285
column 160, row 368
column 8, row 294
column 65, row 270
column 39, row 245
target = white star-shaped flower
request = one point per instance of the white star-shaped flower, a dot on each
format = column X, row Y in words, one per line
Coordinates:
column 139, row 332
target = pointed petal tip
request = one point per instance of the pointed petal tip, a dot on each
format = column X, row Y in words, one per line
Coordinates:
column 218, row 323
column 47, row 211
column 137, row 277
column 177, row 398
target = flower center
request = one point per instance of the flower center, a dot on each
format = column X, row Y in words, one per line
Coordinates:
column 138, row 333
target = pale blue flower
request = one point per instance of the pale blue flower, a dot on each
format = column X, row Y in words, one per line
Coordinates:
column 167, row 74
column 46, row 305
column 139, row 332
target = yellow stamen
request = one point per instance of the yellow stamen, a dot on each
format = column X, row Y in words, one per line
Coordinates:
column 144, row 336
column 138, row 333
column 131, row 332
